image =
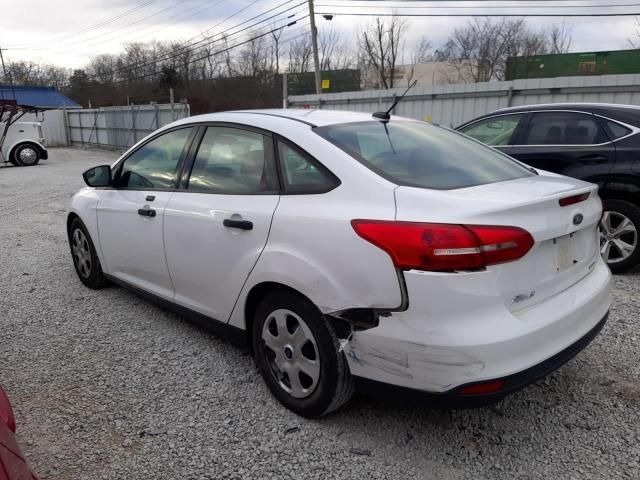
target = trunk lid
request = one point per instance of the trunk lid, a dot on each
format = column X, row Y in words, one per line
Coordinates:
column 566, row 238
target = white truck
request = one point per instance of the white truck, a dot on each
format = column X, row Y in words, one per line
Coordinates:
column 21, row 143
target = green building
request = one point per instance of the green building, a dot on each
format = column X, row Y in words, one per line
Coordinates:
column 573, row 64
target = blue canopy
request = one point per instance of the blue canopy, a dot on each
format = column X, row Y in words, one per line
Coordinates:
column 41, row 97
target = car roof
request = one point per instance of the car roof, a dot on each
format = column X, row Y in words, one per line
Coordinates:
column 580, row 106
column 311, row 117
column 629, row 114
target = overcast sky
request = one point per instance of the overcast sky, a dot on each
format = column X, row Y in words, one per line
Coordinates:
column 69, row 32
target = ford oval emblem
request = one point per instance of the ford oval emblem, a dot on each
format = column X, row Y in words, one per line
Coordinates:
column 577, row 219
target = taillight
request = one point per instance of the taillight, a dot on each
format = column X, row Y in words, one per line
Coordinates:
column 444, row 247
column 566, row 201
column 482, row 388
column 6, row 413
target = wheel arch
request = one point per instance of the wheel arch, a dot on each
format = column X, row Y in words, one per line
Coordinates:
column 253, row 298
column 41, row 149
column 621, row 190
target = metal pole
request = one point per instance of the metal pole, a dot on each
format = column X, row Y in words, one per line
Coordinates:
column 314, row 42
column 285, row 92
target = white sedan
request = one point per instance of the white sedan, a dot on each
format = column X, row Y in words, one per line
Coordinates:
column 351, row 251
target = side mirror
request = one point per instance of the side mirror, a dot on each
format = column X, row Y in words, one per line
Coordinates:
column 98, row 176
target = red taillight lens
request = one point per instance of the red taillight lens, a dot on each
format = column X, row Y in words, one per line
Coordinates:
column 482, row 388
column 573, row 199
column 442, row 247
column 6, row 413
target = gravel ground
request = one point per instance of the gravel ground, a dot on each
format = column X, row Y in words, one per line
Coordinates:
column 107, row 385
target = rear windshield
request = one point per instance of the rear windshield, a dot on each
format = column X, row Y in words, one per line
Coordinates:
column 422, row 155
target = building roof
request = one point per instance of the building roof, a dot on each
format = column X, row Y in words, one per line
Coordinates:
column 41, row 97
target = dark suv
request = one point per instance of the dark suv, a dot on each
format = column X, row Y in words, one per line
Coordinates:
column 595, row 142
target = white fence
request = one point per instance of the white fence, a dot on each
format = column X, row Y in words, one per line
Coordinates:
column 452, row 105
column 120, row 127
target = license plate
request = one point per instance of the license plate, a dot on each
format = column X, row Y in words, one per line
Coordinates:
column 564, row 250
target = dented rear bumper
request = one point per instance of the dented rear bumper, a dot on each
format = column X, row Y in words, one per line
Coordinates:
column 440, row 351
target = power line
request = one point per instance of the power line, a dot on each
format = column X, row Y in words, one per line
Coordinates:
column 476, row 7
column 218, row 52
column 92, row 27
column 180, row 2
column 83, row 49
column 175, row 54
column 387, row 14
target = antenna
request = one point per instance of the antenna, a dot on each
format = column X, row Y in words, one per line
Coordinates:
column 386, row 116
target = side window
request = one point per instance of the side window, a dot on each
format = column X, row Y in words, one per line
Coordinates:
column 233, row 161
column 616, row 130
column 494, row 131
column 563, row 128
column 301, row 174
column 154, row 165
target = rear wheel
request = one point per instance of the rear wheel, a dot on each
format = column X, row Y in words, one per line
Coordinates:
column 298, row 354
column 619, row 229
column 85, row 259
column 26, row 155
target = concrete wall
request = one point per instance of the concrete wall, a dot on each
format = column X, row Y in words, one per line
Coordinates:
column 452, row 105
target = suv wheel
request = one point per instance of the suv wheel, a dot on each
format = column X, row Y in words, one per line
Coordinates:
column 619, row 229
column 298, row 354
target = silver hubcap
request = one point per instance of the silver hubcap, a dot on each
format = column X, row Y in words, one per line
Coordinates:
column 292, row 353
column 618, row 237
column 81, row 253
column 27, row 155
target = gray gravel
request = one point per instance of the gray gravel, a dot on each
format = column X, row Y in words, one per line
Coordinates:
column 106, row 385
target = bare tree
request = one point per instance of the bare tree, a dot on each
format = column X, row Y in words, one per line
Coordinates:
column 560, row 38
column 634, row 41
column 335, row 53
column 379, row 48
column 300, row 55
column 252, row 59
column 479, row 51
column 421, row 54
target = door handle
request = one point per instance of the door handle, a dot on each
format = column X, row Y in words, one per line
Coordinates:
column 241, row 224
column 147, row 212
column 593, row 159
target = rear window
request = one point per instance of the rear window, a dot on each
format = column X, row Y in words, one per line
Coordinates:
column 422, row 155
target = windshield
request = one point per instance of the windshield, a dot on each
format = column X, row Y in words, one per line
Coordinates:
column 422, row 155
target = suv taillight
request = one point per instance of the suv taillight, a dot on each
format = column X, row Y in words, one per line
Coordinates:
column 444, row 247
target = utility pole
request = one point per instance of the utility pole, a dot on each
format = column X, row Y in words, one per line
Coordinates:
column 7, row 75
column 314, row 42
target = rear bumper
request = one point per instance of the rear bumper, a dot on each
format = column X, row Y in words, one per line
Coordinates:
column 453, row 336
column 457, row 399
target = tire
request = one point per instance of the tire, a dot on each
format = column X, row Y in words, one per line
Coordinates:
column 85, row 259
column 324, row 383
column 620, row 235
column 26, row 155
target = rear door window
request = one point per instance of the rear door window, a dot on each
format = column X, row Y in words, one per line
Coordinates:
column 563, row 128
column 301, row 173
column 494, row 131
column 616, row 130
column 422, row 155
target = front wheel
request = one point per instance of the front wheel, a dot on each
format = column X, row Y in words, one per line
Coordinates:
column 26, row 155
column 85, row 258
column 619, row 228
column 298, row 354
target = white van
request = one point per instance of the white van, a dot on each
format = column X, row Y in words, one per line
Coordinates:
column 24, row 144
